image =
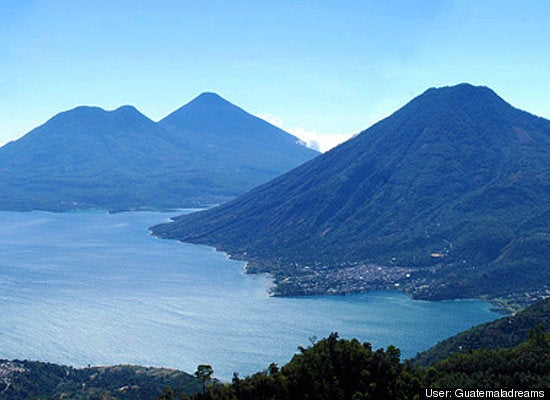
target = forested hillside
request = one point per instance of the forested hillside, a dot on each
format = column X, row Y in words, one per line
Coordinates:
column 337, row 369
column 447, row 198
column 22, row 380
column 331, row 369
column 505, row 332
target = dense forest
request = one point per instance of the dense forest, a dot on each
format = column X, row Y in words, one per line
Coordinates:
column 331, row 369
column 338, row 369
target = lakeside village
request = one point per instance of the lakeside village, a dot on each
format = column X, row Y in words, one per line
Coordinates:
column 295, row 279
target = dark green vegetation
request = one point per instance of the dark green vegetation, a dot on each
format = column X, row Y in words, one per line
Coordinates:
column 506, row 332
column 206, row 152
column 525, row 366
column 448, row 198
column 332, row 369
column 35, row 380
column 515, row 354
column 335, row 369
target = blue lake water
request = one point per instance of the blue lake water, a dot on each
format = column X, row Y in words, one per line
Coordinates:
column 95, row 288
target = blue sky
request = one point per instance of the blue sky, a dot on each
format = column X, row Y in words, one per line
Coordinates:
column 323, row 70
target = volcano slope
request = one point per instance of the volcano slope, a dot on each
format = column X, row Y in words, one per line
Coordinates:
column 449, row 197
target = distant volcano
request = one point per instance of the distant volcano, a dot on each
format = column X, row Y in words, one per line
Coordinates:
column 450, row 195
column 206, row 152
column 234, row 139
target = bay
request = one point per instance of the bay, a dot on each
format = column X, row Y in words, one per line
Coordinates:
column 96, row 288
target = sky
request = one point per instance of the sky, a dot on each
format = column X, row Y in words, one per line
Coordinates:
column 322, row 70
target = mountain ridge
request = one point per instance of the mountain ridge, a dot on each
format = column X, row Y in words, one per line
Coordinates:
column 88, row 157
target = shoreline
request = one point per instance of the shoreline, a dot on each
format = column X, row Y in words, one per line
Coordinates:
column 502, row 305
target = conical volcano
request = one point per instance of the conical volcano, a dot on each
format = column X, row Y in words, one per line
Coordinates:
column 448, row 197
column 237, row 140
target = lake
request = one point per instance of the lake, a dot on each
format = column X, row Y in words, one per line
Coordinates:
column 96, row 288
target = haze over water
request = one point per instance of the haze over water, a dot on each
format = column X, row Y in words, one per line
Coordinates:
column 95, row 288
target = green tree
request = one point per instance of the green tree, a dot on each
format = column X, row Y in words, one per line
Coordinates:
column 204, row 373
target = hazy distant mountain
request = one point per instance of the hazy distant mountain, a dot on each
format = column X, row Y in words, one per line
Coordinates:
column 91, row 158
column 447, row 197
column 249, row 146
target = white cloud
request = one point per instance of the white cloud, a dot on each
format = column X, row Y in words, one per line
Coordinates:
column 312, row 139
column 321, row 142
column 273, row 120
